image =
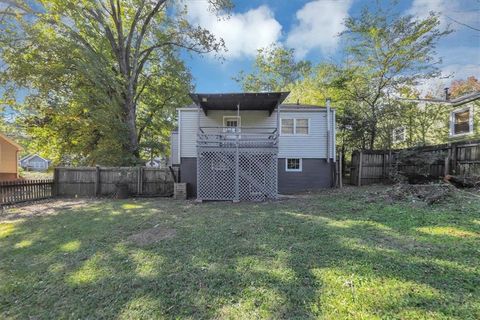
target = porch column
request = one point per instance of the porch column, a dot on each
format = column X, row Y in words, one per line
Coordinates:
column 237, row 159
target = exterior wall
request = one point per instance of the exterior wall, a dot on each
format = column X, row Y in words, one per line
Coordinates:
column 8, row 176
column 174, row 160
column 438, row 131
column 315, row 174
column 35, row 163
column 188, row 174
column 313, row 145
column 475, row 105
column 8, row 157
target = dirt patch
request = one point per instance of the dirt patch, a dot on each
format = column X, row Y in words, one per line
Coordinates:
column 152, row 235
column 42, row 208
column 427, row 193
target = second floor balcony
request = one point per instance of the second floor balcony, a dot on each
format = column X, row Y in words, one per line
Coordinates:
column 243, row 137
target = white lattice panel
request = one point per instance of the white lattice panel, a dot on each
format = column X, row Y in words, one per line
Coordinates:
column 218, row 178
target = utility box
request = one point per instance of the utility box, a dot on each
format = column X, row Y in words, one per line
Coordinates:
column 180, row 191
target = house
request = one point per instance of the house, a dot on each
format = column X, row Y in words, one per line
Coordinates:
column 158, row 162
column 250, row 146
column 8, row 158
column 439, row 121
column 34, row 163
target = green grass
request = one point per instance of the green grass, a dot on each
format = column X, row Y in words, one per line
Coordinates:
column 332, row 255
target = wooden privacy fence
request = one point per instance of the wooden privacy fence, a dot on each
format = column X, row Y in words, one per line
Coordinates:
column 104, row 181
column 12, row 192
column 374, row 166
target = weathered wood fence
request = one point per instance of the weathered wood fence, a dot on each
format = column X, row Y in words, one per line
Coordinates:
column 104, row 181
column 374, row 166
column 12, row 192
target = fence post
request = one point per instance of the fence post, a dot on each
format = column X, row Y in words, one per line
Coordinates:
column 359, row 183
column 454, row 159
column 97, row 181
column 140, row 180
column 447, row 166
column 55, row 182
column 340, row 170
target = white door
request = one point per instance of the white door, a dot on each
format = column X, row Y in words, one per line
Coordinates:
column 231, row 125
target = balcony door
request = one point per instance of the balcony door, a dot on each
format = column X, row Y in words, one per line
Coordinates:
column 231, row 125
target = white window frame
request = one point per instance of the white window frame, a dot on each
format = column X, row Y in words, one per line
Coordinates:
column 300, row 160
column 295, row 127
column 238, row 118
column 404, row 134
column 470, row 121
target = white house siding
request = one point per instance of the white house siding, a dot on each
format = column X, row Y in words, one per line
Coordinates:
column 174, row 148
column 188, row 125
column 313, row 145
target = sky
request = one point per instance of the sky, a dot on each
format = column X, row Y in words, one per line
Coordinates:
column 312, row 28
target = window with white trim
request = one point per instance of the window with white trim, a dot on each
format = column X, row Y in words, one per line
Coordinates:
column 294, row 126
column 301, row 126
column 231, row 123
column 293, row 164
column 288, row 126
column 461, row 121
column 399, row 135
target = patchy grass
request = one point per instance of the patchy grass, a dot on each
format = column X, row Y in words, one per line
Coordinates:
column 329, row 255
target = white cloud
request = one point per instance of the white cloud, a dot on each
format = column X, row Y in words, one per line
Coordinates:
column 455, row 9
column 243, row 33
column 318, row 25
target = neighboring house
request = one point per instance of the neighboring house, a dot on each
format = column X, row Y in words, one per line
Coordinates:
column 440, row 121
column 156, row 163
column 8, row 158
column 250, row 146
column 34, row 163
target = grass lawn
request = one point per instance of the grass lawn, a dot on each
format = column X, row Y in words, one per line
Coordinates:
column 330, row 255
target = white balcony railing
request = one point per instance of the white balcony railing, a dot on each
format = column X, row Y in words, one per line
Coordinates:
column 244, row 137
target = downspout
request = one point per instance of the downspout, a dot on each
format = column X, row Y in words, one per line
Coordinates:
column 179, row 136
column 328, row 130
column 198, row 155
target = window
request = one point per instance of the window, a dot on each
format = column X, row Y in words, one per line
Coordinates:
column 301, row 126
column 398, row 135
column 293, row 164
column 231, row 124
column 287, row 126
column 461, row 121
column 295, row 126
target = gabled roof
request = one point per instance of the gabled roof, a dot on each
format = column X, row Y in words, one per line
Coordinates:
column 10, row 141
column 29, row 157
column 472, row 96
column 245, row 101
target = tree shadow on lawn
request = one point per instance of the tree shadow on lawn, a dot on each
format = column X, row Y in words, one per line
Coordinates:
column 277, row 260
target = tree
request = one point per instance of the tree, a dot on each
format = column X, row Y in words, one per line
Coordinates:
column 461, row 87
column 384, row 53
column 100, row 68
column 275, row 69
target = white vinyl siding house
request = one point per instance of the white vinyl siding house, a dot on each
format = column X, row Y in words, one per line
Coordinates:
column 34, row 163
column 311, row 145
column 299, row 139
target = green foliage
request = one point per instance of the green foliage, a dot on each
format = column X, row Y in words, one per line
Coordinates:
column 275, row 69
column 333, row 255
column 100, row 77
column 385, row 53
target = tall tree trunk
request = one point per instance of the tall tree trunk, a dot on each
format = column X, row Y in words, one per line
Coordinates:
column 130, row 121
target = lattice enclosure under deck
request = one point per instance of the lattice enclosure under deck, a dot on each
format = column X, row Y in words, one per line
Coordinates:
column 218, row 178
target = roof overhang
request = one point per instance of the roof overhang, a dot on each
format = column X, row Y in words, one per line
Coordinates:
column 10, row 141
column 266, row 101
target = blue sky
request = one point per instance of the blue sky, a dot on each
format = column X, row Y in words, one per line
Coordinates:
column 311, row 27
